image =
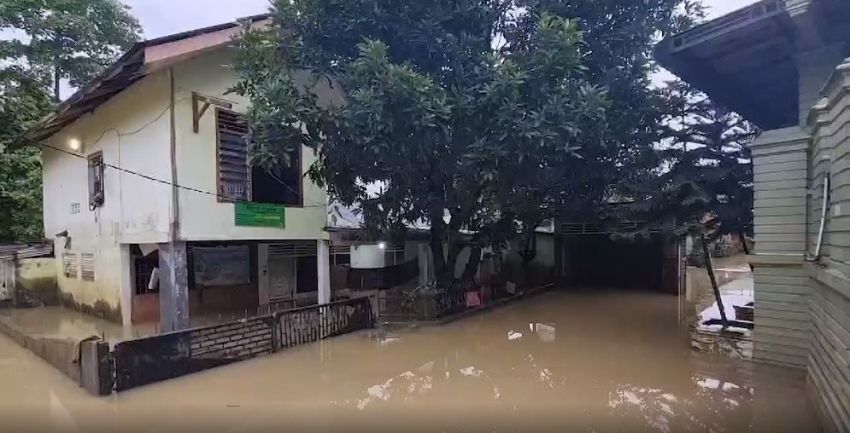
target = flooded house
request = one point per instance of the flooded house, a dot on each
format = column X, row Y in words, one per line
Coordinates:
column 154, row 209
column 783, row 65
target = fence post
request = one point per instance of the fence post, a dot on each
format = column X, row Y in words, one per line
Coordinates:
column 97, row 371
column 275, row 324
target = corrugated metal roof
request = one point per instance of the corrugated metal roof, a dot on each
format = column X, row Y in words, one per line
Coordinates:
column 129, row 69
column 19, row 251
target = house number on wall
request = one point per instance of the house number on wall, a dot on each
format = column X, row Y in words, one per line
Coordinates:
column 75, row 208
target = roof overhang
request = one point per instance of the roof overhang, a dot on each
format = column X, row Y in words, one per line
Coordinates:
column 746, row 60
column 141, row 60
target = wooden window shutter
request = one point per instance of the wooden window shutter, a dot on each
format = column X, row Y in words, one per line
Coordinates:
column 233, row 170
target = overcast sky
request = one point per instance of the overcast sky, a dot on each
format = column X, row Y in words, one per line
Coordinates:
column 163, row 17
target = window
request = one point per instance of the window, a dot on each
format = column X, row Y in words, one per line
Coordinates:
column 144, row 267
column 394, row 255
column 238, row 181
column 340, row 254
column 70, row 264
column 96, row 191
column 232, row 156
column 87, row 267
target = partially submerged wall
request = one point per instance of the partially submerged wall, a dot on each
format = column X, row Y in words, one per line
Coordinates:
column 35, row 280
column 100, row 295
column 829, row 376
column 782, row 324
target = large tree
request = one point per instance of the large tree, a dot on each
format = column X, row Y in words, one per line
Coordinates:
column 47, row 41
column 60, row 40
column 433, row 113
column 618, row 37
column 478, row 115
column 705, row 175
column 22, row 102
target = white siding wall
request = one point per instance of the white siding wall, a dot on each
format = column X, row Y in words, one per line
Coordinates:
column 130, row 132
column 203, row 217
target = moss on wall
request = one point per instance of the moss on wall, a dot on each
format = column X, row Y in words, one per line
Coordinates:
column 100, row 308
column 35, row 282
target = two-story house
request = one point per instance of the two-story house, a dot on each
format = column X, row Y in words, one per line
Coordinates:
column 152, row 203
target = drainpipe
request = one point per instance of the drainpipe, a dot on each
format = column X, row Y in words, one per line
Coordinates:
column 174, row 226
column 824, row 206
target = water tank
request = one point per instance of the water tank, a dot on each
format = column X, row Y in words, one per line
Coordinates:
column 370, row 256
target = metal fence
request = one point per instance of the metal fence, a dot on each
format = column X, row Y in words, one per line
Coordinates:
column 421, row 303
column 152, row 359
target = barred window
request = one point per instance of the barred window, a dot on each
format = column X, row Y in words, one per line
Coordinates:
column 97, row 193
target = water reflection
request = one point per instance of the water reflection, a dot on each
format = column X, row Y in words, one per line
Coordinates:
column 602, row 362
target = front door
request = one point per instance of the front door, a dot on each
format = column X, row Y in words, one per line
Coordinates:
column 282, row 278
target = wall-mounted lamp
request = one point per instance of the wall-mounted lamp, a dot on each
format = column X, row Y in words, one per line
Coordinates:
column 75, row 144
column 382, row 245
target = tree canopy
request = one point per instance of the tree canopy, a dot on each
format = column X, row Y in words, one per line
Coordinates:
column 705, row 174
column 48, row 41
column 65, row 39
column 481, row 115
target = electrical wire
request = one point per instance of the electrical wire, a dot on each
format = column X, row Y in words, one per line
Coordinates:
column 159, row 116
column 154, row 179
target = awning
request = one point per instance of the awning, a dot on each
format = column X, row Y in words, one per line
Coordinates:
column 743, row 60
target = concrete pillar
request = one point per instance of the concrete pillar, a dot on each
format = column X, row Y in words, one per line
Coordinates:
column 780, row 184
column 323, row 261
column 263, row 273
column 173, row 287
column 127, row 288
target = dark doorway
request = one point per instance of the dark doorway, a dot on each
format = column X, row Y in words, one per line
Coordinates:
column 597, row 260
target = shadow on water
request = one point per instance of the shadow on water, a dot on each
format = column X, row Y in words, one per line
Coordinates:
column 590, row 361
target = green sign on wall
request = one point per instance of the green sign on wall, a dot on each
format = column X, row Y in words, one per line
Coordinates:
column 260, row 215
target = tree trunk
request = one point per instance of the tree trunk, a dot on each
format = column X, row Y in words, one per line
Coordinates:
column 473, row 264
column 436, row 242
column 710, row 269
column 528, row 253
column 745, row 246
column 57, row 82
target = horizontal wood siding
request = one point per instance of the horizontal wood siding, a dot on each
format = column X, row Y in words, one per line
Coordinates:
column 829, row 354
column 782, row 315
column 782, row 312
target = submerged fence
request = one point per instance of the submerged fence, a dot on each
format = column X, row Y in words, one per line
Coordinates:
column 153, row 359
column 421, row 303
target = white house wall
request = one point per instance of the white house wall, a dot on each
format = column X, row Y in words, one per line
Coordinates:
column 130, row 132
column 203, row 217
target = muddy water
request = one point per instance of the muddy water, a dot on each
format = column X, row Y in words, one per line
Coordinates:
column 589, row 362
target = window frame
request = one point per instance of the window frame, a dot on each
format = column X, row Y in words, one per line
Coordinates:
column 249, row 183
column 96, row 167
column 220, row 197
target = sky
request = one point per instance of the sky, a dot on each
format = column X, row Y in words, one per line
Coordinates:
column 163, row 17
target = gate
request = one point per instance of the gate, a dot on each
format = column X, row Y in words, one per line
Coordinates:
column 147, row 360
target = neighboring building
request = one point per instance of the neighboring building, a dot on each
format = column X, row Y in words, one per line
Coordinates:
column 147, row 168
column 781, row 64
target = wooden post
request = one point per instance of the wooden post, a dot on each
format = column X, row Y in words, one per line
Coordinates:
column 173, row 287
column 710, row 269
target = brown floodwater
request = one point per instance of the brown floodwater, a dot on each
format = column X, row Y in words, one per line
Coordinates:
column 590, row 361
